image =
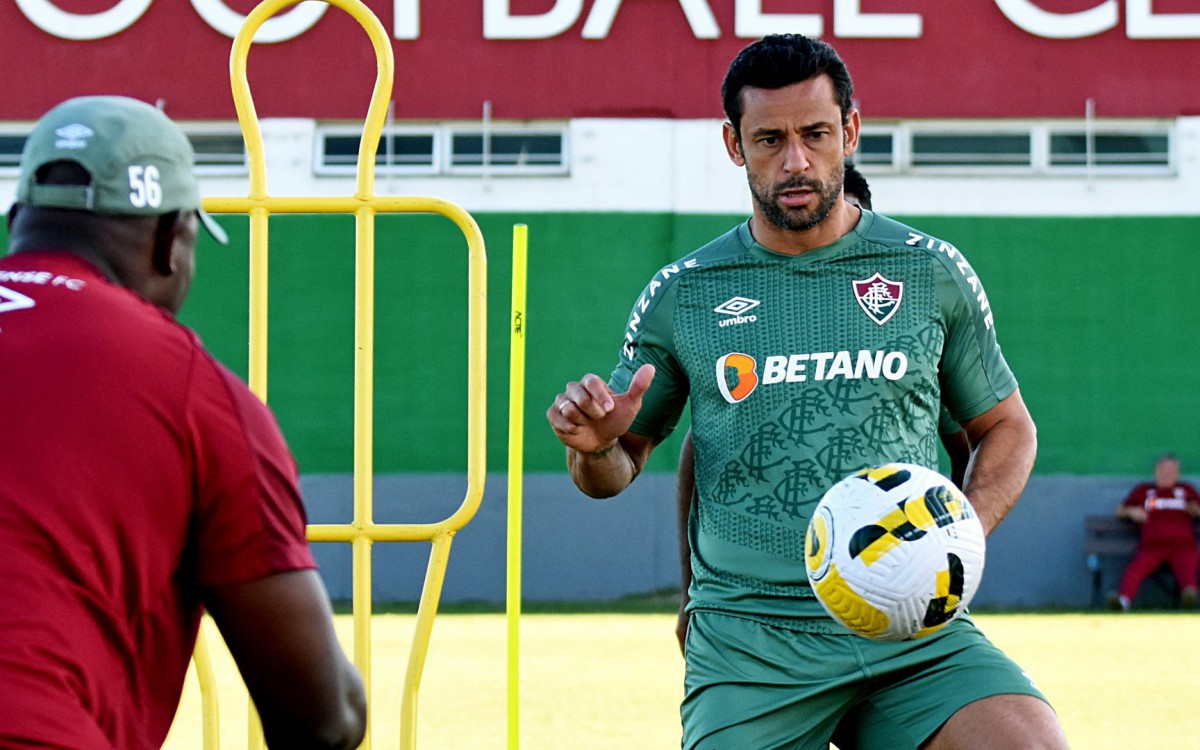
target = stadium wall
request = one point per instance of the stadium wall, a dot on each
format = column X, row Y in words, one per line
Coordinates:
column 579, row 549
column 1090, row 278
column 1093, row 314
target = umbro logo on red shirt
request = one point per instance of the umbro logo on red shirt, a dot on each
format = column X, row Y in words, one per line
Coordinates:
column 10, row 300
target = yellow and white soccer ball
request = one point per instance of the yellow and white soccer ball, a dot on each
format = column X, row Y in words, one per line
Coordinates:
column 894, row 552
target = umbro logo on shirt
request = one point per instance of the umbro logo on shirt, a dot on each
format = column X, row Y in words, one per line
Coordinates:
column 736, row 307
column 13, row 300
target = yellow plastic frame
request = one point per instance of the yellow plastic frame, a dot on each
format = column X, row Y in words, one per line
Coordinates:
column 363, row 531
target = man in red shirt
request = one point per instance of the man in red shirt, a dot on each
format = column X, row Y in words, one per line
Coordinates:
column 1164, row 509
column 140, row 481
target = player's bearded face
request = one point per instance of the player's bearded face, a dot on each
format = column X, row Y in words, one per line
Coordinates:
column 800, row 218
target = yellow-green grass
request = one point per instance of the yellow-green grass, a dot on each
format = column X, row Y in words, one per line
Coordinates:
column 615, row 680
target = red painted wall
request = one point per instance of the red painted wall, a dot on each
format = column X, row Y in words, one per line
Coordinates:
column 970, row 61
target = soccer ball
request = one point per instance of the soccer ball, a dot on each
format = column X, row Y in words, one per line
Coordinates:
column 894, row 552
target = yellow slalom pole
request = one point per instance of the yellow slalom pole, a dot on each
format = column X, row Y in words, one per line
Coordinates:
column 210, row 714
column 516, row 443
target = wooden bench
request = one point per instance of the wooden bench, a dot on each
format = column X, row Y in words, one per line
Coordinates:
column 1109, row 536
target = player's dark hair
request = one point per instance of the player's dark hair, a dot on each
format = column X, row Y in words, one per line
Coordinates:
column 780, row 60
column 853, row 183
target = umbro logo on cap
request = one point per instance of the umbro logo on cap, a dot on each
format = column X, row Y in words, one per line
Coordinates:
column 73, row 136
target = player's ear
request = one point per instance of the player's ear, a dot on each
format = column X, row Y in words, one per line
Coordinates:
column 733, row 144
column 850, row 133
column 164, row 241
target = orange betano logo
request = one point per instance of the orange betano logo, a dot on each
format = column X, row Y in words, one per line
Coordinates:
column 736, row 376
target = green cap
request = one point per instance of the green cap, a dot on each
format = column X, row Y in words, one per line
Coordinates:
column 139, row 161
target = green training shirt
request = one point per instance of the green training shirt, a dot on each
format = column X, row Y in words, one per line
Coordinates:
column 801, row 370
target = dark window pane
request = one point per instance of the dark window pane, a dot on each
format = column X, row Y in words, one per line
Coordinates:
column 971, row 150
column 218, row 149
column 1111, row 149
column 466, row 150
column 406, row 150
column 341, row 149
column 508, row 149
column 874, row 148
column 10, row 150
column 400, row 149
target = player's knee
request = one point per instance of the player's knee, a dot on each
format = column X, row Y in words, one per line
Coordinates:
column 1001, row 722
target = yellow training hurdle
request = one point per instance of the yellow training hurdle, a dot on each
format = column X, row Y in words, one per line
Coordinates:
column 363, row 531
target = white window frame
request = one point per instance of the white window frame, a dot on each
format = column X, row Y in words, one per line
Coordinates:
column 11, row 129
column 501, row 129
column 443, row 142
column 321, row 168
column 233, row 169
column 1039, row 132
column 968, row 128
column 190, row 129
column 1161, row 128
column 899, row 146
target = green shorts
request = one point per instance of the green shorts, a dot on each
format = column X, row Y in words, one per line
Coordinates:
column 755, row 686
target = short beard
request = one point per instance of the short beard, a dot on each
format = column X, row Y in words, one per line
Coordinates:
column 797, row 220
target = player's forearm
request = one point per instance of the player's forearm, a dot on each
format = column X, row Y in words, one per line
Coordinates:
column 1002, row 463
column 340, row 725
column 604, row 472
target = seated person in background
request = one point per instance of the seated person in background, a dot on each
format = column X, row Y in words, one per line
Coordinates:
column 1164, row 509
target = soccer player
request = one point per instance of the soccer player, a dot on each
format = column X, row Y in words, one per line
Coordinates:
column 857, row 192
column 140, row 481
column 1165, row 509
column 812, row 340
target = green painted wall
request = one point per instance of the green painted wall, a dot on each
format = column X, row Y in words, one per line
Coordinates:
column 1098, row 320
column 1096, row 316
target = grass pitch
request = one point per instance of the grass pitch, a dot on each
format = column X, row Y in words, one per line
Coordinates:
column 593, row 681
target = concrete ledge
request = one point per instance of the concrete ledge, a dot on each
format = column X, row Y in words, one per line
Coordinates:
column 577, row 548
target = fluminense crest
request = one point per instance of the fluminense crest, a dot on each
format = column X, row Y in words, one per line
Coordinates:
column 879, row 297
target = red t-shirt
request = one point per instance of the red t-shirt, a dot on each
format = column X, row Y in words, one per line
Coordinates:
column 134, row 469
column 1167, row 516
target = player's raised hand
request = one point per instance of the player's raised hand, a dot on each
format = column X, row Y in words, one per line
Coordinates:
column 589, row 417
